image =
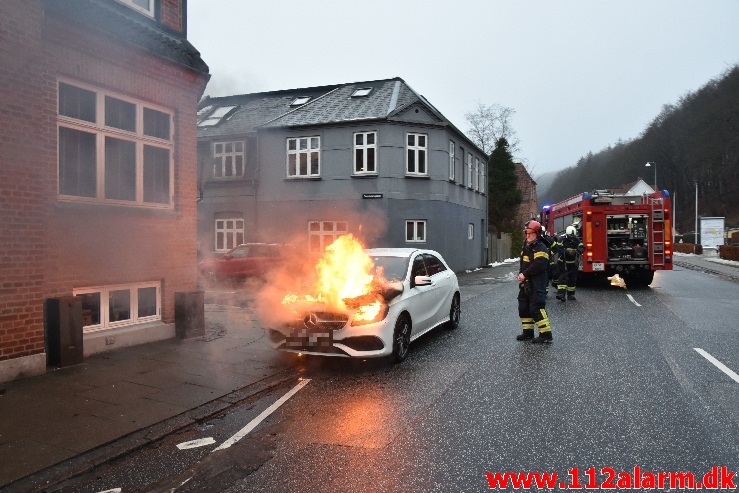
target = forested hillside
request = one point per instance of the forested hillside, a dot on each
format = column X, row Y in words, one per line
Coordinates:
column 693, row 140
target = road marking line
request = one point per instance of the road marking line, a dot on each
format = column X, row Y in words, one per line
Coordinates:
column 254, row 422
column 632, row 299
column 196, row 443
column 718, row 364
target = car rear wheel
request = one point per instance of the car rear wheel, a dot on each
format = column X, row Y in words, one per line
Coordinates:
column 455, row 312
column 401, row 338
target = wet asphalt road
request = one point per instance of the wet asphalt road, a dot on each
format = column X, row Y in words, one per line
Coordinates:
column 621, row 386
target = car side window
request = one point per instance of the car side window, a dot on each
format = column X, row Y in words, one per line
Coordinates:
column 419, row 269
column 239, row 252
column 433, row 264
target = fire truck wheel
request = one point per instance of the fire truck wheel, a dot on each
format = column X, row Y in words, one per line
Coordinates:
column 454, row 313
column 647, row 277
column 401, row 338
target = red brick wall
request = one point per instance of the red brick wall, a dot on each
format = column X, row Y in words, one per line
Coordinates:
column 26, row 185
column 171, row 14
column 48, row 247
column 528, row 192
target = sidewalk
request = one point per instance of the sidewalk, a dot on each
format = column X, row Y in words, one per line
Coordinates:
column 710, row 263
column 65, row 422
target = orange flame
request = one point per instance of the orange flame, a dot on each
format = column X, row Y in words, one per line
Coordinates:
column 344, row 272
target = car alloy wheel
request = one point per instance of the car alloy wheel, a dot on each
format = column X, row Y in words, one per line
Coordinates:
column 455, row 313
column 401, row 338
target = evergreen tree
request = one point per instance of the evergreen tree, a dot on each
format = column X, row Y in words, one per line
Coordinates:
column 504, row 196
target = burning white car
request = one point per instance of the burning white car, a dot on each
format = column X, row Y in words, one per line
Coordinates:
column 368, row 303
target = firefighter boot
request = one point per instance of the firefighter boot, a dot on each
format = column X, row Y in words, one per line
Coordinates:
column 561, row 295
column 571, row 297
column 525, row 335
column 543, row 338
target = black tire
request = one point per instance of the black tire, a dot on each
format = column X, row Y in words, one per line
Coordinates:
column 455, row 313
column 401, row 338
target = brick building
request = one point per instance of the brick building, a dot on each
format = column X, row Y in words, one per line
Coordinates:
column 528, row 208
column 98, row 176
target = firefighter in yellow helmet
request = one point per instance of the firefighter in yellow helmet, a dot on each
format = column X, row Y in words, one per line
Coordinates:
column 533, row 279
column 570, row 248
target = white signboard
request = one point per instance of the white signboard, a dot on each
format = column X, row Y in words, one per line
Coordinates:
column 712, row 232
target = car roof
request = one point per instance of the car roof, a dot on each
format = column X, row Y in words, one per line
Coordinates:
column 397, row 252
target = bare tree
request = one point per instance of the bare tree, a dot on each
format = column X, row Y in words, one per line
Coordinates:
column 488, row 124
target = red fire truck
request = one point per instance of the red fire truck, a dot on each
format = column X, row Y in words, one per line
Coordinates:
column 629, row 235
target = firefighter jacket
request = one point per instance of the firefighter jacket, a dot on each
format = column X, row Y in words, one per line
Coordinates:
column 534, row 263
column 569, row 247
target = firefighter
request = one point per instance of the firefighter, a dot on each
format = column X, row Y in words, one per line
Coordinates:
column 533, row 280
column 553, row 262
column 570, row 248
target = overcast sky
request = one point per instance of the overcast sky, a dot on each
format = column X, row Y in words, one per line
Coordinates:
column 580, row 74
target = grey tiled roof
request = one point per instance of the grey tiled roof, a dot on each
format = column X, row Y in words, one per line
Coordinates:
column 328, row 105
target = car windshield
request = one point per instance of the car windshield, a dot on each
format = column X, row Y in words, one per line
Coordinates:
column 393, row 268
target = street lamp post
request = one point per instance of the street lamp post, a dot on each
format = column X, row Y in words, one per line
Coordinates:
column 649, row 165
column 695, row 182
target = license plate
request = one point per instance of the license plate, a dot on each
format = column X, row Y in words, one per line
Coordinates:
column 304, row 339
column 599, row 266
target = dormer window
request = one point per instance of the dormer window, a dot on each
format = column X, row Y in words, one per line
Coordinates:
column 216, row 116
column 364, row 91
column 300, row 100
column 146, row 7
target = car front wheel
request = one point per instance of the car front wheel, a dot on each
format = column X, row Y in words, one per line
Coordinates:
column 401, row 338
column 455, row 312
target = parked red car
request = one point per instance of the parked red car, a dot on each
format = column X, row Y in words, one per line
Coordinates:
column 247, row 260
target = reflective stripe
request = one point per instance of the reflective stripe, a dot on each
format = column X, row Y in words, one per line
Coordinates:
column 541, row 254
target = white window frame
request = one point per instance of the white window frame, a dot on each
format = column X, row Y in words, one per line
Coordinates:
column 138, row 8
column 322, row 233
column 418, row 231
column 469, row 170
column 226, row 159
column 476, row 174
column 452, row 161
column 361, row 92
column 471, row 231
column 416, row 150
column 364, row 150
column 101, row 131
column 313, row 146
column 105, row 291
column 483, row 175
column 232, row 229
column 300, row 100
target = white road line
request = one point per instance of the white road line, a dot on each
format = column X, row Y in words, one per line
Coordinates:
column 718, row 364
column 196, row 443
column 254, row 422
column 632, row 299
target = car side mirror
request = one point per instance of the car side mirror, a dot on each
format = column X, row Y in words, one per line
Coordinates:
column 226, row 256
column 422, row 281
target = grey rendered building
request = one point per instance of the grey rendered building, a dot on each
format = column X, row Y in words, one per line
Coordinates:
column 374, row 159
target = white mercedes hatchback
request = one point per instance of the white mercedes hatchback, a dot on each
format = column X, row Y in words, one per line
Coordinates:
column 417, row 293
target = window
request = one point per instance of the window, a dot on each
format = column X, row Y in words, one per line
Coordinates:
column 483, row 176
column 415, row 231
column 229, row 233
column 300, row 100
column 107, row 307
column 216, row 116
column 230, row 159
column 304, row 157
column 469, row 170
column 416, row 160
column 365, row 152
column 322, row 233
column 364, row 91
column 476, row 174
column 146, row 7
column 470, row 231
column 113, row 149
column 452, row 161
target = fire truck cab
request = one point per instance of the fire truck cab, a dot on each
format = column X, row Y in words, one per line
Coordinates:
column 629, row 235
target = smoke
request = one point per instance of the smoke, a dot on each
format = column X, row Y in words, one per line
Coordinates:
column 299, row 274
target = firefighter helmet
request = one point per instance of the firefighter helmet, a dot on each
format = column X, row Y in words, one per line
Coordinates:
column 533, row 226
column 571, row 231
